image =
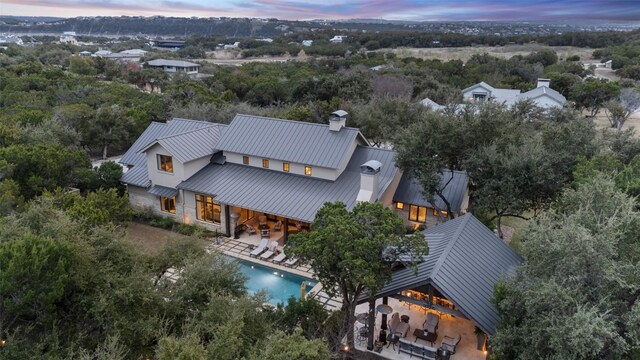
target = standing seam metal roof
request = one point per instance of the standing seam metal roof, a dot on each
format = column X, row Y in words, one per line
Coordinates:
column 410, row 191
column 286, row 140
column 192, row 144
column 293, row 196
column 465, row 261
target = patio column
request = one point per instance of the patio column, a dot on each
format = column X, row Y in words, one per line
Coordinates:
column 383, row 326
column 286, row 231
column 371, row 324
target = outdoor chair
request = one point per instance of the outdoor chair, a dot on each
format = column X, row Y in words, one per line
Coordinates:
column 431, row 323
column 405, row 318
column 272, row 250
column 449, row 343
column 260, row 249
column 277, row 226
column 251, row 230
column 394, row 322
column 291, row 262
column 279, row 258
column 403, row 329
column 262, row 220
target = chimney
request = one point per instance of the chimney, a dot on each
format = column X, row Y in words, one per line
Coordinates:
column 543, row 82
column 337, row 120
column 369, row 175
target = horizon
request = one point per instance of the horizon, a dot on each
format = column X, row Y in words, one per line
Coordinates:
column 388, row 10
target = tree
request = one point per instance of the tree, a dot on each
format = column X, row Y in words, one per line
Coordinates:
column 618, row 111
column 294, row 347
column 628, row 179
column 576, row 296
column 592, row 94
column 349, row 252
column 189, row 348
column 111, row 127
column 82, row 66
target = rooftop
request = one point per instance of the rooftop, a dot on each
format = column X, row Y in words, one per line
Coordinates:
column 175, row 63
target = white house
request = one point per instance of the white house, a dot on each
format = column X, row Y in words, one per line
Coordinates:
column 542, row 95
column 235, row 45
column 337, row 39
column 174, row 66
column 307, row 42
column 225, row 176
column 68, row 37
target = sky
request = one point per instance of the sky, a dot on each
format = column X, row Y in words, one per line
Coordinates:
column 420, row 10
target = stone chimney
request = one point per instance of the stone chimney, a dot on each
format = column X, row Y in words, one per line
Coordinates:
column 337, row 120
column 543, row 82
column 369, row 177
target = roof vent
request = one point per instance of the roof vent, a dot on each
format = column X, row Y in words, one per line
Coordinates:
column 338, row 120
column 544, row 82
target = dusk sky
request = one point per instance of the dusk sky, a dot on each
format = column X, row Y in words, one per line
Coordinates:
column 337, row 9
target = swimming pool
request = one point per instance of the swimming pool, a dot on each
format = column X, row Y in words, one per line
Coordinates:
column 279, row 285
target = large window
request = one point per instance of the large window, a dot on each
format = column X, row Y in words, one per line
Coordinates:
column 307, row 170
column 417, row 213
column 245, row 160
column 165, row 163
column 168, row 204
column 285, row 167
column 265, row 163
column 207, row 209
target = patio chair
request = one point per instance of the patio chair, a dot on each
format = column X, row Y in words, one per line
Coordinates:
column 449, row 343
column 291, row 262
column 279, row 258
column 277, row 226
column 272, row 250
column 394, row 322
column 262, row 220
column 260, row 249
column 251, row 230
column 403, row 329
column 431, row 323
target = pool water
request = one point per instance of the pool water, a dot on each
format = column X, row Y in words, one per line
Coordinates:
column 279, row 285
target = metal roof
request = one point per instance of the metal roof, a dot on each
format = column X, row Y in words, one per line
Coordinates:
column 465, row 261
column 192, row 144
column 155, row 130
column 176, row 63
column 409, row 191
column 542, row 91
column 293, row 196
column 286, row 140
column 163, row 191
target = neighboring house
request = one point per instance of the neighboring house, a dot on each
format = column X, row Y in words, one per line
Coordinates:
column 337, row 39
column 465, row 261
column 137, row 52
column 307, row 42
column 221, row 176
column 235, row 45
column 101, row 53
column 68, row 37
column 123, row 57
column 85, row 53
column 542, row 95
column 174, row 66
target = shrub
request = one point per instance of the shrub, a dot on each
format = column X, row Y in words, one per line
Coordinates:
column 163, row 222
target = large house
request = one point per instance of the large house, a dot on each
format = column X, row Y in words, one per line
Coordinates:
column 543, row 96
column 281, row 171
column 174, row 66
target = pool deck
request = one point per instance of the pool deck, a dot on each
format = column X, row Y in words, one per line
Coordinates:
column 240, row 250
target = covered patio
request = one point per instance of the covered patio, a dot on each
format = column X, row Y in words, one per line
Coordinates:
column 446, row 299
column 251, row 226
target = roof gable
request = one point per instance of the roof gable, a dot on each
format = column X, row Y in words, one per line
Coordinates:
column 287, row 140
column 483, row 85
column 190, row 145
column 409, row 191
column 546, row 92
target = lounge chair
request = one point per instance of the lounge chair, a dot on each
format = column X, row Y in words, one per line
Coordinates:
column 291, row 262
column 260, row 249
column 449, row 343
column 431, row 323
column 251, row 230
column 277, row 226
column 402, row 329
column 272, row 250
column 279, row 258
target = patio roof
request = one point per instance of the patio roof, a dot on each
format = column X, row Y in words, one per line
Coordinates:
column 163, row 191
column 465, row 261
column 292, row 196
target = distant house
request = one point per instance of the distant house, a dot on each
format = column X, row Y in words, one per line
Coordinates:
column 543, row 96
column 169, row 44
column 101, row 53
column 267, row 40
column 174, row 66
column 137, row 52
column 235, row 45
column 307, row 42
column 337, row 39
column 11, row 39
column 85, row 53
column 68, row 37
column 123, row 57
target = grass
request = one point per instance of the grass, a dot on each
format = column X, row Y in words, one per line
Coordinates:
column 151, row 240
column 520, row 228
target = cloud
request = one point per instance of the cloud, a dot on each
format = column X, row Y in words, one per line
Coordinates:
column 297, row 9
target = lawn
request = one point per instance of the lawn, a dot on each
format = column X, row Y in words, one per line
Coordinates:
column 520, row 228
column 151, row 240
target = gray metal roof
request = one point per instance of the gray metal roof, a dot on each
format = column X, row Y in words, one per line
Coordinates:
column 293, row 196
column 163, row 191
column 286, row 140
column 409, row 191
column 543, row 91
column 465, row 261
column 192, row 144
column 137, row 175
column 176, row 63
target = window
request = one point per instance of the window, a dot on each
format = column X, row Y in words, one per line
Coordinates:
column 399, row 205
column 165, row 163
column 479, row 97
column 207, row 209
column 265, row 163
column 307, row 170
column 168, row 204
column 285, row 167
column 245, row 160
column 442, row 212
column 417, row 213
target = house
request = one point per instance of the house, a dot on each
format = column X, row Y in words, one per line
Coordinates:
column 235, row 45
column 68, row 37
column 85, row 53
column 455, row 282
column 337, row 39
column 543, row 96
column 136, row 52
column 225, row 176
column 122, row 57
column 307, row 42
column 101, row 53
column 174, row 66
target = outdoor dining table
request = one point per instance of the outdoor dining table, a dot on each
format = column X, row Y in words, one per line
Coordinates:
column 362, row 318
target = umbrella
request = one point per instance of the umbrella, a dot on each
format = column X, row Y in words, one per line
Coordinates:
column 303, row 291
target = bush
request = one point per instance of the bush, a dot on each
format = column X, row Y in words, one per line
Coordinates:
column 163, row 222
column 573, row 58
